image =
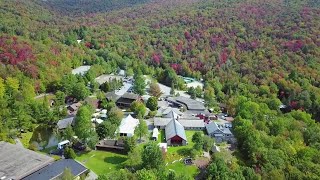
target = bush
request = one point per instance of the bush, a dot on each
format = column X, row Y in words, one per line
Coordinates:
column 193, row 153
column 69, row 153
column 152, row 113
column 33, row 147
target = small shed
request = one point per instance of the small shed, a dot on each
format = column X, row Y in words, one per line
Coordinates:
column 155, row 134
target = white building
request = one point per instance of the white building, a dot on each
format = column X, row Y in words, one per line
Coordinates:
column 128, row 126
column 81, row 70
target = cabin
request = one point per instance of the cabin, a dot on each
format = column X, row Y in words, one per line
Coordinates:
column 219, row 132
column 127, row 99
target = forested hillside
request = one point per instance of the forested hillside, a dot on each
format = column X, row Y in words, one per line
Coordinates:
column 254, row 55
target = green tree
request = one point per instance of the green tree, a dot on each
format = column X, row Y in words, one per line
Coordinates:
column 141, row 130
column 129, row 143
column 218, row 170
column 115, row 116
column 27, row 91
column 12, row 85
column 66, row 175
column 59, row 98
column 134, row 158
column 21, row 119
column 209, row 97
column 68, row 133
column 208, row 143
column 139, row 84
column 2, row 88
column 152, row 156
column 122, row 174
column 152, row 103
column 80, row 91
column 83, row 125
column 155, row 89
column 138, row 108
column 192, row 92
column 197, row 140
column 144, row 174
column 69, row 153
column 106, row 129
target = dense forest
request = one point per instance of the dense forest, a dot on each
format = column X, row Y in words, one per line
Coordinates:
column 255, row 55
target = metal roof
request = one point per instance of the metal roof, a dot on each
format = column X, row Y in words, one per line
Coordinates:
column 130, row 96
column 17, row 162
column 174, row 128
column 112, row 96
column 191, row 104
column 192, row 123
column 64, row 123
column 212, row 127
column 161, row 121
column 81, row 70
column 56, row 169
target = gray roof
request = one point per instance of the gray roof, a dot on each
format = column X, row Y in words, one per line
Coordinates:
column 112, row 96
column 170, row 109
column 161, row 121
column 130, row 96
column 174, row 128
column 56, row 169
column 17, row 162
column 191, row 104
column 64, row 123
column 192, row 123
column 81, row 70
column 226, row 131
column 212, row 127
column 107, row 78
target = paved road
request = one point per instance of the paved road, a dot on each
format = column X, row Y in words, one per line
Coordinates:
column 42, row 95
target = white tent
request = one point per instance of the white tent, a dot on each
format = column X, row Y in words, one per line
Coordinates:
column 128, row 126
column 155, row 133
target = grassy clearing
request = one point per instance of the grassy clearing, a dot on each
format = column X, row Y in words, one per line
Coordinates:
column 102, row 162
column 180, row 168
column 177, row 152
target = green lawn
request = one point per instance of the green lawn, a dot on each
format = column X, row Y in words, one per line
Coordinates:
column 180, row 168
column 102, row 162
column 177, row 152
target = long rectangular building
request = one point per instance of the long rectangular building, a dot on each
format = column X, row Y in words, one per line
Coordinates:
column 17, row 162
